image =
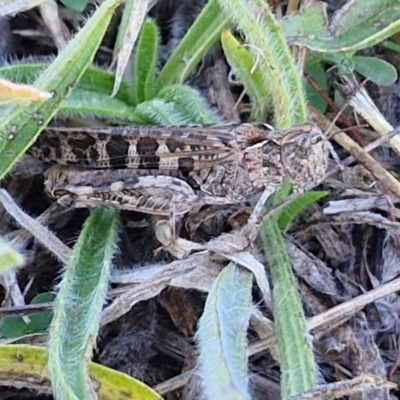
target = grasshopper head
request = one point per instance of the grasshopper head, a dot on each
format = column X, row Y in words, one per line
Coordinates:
column 304, row 155
column 300, row 153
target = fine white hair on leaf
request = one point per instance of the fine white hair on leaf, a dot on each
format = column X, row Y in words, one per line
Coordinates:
column 222, row 336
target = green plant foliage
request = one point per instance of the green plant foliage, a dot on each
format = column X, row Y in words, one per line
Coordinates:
column 9, row 257
column 298, row 368
column 20, row 125
column 247, row 68
column 292, row 210
column 12, row 326
column 357, row 25
column 316, row 71
column 145, row 63
column 222, row 336
column 30, row 362
column 201, row 36
column 376, row 70
column 280, row 195
column 264, row 36
column 189, row 103
column 94, row 78
column 88, row 104
column 175, row 105
column 40, row 321
column 391, row 45
column 90, row 98
column 287, row 214
column 78, row 306
column 76, row 5
column 95, row 81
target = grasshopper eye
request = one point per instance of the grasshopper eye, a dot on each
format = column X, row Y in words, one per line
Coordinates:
column 317, row 139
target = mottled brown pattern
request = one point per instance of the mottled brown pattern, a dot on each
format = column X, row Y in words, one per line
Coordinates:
column 140, row 147
column 172, row 169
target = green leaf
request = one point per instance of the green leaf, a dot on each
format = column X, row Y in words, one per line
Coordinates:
column 357, row 25
column 41, row 320
column 88, row 104
column 264, row 37
column 222, row 336
column 376, row 70
column 298, row 367
column 78, row 305
column 123, row 27
column 43, row 298
column 76, row 5
column 94, row 79
column 201, row 36
column 291, row 211
column 146, row 62
column 30, row 362
column 12, row 326
column 280, row 194
column 189, row 103
column 391, row 45
column 20, row 125
column 161, row 112
column 316, row 71
column 287, row 214
column 248, row 70
column 9, row 257
column 91, row 97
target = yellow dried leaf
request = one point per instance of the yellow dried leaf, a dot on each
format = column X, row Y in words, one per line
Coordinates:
column 15, row 91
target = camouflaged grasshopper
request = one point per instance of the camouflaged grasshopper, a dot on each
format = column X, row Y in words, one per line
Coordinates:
column 156, row 169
